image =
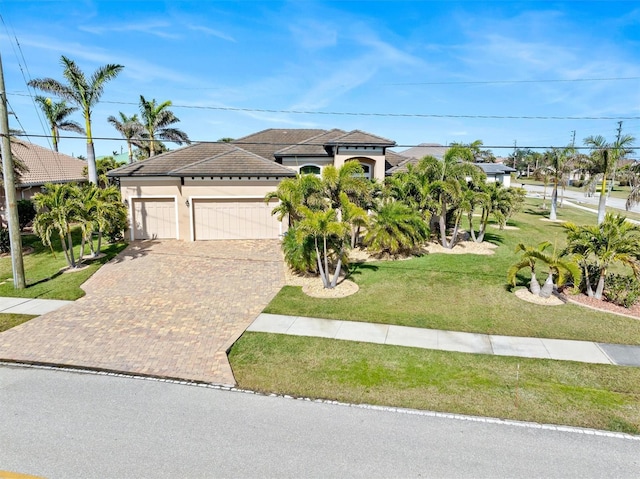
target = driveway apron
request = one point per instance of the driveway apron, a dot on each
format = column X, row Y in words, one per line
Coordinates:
column 160, row 308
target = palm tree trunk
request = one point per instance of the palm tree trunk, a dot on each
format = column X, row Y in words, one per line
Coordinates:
column 323, row 275
column 600, row 287
column 70, row 240
column 63, row 242
column 326, row 258
column 534, row 286
column 587, row 281
column 454, row 236
column 602, row 202
column 442, row 223
column 547, row 287
column 472, row 231
column 91, row 152
column 554, row 202
column 483, row 225
column 130, row 152
column 336, row 275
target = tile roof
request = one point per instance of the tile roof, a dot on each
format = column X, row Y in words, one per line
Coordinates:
column 393, row 159
column 266, row 142
column 358, row 137
column 235, row 162
column 46, row 166
column 164, row 163
column 204, row 159
column 426, row 149
column 495, row 168
column 313, row 146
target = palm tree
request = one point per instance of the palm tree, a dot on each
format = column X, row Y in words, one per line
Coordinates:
column 325, row 228
column 395, row 228
column 156, row 122
column 528, row 260
column 354, row 216
column 445, row 179
column 602, row 162
column 83, row 93
column 558, row 165
column 129, row 127
column 56, row 114
column 347, row 179
column 58, row 208
column 292, row 193
column 615, row 240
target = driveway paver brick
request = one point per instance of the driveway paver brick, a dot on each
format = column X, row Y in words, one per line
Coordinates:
column 161, row 308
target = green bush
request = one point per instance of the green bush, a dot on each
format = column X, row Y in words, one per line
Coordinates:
column 5, row 242
column 622, row 290
column 300, row 257
column 26, row 213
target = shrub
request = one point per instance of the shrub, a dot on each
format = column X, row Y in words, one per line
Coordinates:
column 622, row 290
column 5, row 242
column 26, row 213
column 300, row 257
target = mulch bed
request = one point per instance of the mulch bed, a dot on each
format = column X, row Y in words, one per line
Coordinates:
column 606, row 306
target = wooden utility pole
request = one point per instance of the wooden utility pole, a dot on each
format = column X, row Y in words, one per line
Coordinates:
column 10, row 190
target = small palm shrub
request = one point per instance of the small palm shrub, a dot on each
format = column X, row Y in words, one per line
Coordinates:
column 396, row 228
column 26, row 213
column 5, row 242
column 300, row 257
column 623, row 290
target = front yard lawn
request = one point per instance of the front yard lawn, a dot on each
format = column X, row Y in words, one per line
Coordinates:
column 8, row 321
column 466, row 292
column 43, row 273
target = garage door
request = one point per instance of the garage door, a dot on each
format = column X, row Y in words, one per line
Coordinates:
column 234, row 219
column 154, row 218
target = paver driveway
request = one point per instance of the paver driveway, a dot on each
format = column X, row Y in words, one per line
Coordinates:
column 161, row 308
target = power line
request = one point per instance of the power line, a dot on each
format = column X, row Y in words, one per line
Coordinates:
column 499, row 82
column 265, row 143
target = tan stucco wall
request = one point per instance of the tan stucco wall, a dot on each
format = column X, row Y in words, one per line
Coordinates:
column 192, row 189
column 376, row 156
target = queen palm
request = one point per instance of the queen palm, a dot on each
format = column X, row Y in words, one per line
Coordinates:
column 558, row 165
column 156, row 119
column 56, row 114
column 129, row 127
column 615, row 240
column 602, row 162
column 82, row 92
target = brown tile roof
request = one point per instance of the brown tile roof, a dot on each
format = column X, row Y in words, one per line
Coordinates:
column 204, row 159
column 266, row 142
column 358, row 137
column 235, row 162
column 161, row 165
column 46, row 166
column 313, row 146
column 393, row 159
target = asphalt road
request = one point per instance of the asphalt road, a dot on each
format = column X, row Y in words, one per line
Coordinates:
column 60, row 424
column 580, row 198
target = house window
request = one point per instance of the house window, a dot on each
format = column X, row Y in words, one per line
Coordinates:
column 310, row 170
column 366, row 171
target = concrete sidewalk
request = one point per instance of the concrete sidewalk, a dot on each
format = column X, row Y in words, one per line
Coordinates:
column 35, row 307
column 558, row 349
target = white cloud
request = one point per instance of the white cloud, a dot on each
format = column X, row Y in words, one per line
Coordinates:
column 155, row 28
column 211, row 31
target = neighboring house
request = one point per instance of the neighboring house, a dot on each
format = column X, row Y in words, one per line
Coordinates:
column 495, row 171
column 216, row 190
column 43, row 166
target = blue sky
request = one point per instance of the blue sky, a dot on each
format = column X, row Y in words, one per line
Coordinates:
column 376, row 57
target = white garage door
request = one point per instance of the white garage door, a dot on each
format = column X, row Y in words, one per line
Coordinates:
column 234, row 219
column 154, row 218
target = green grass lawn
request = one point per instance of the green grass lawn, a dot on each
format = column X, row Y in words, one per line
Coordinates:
column 465, row 292
column 43, row 270
column 8, row 321
column 545, row 391
column 453, row 292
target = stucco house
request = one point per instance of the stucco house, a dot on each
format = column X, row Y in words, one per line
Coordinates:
column 209, row 191
column 43, row 166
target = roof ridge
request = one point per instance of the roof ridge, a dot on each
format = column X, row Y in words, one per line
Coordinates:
column 232, row 148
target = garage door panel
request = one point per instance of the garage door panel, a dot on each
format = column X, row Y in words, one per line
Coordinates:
column 234, row 219
column 154, row 218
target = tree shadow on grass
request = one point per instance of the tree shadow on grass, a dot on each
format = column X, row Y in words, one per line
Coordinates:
column 356, row 268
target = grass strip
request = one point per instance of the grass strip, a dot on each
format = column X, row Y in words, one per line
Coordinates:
column 8, row 320
column 556, row 392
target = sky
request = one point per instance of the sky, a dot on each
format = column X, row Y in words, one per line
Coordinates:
column 411, row 71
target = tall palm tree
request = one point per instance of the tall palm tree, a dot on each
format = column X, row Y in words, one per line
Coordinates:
column 83, row 93
column 558, row 164
column 58, row 208
column 615, row 240
column 56, row 114
column 602, row 162
column 156, row 121
column 129, row 127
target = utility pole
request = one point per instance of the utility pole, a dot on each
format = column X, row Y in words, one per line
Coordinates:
column 515, row 142
column 573, row 139
column 10, row 190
